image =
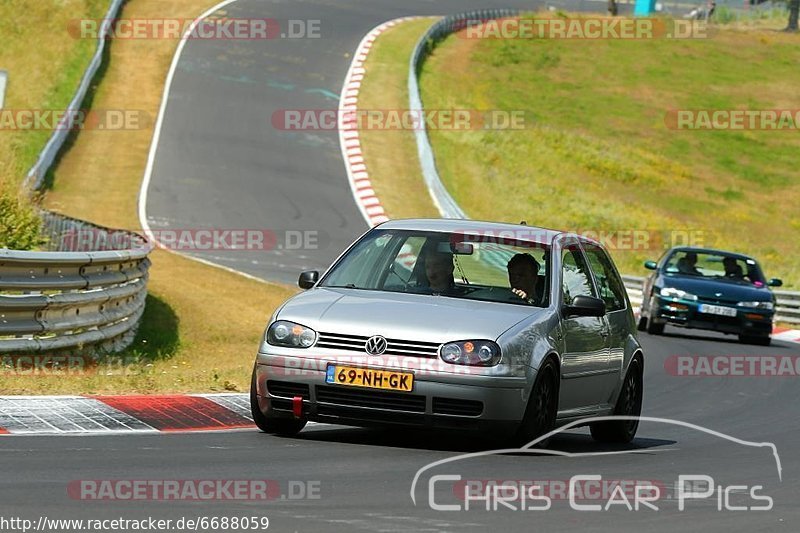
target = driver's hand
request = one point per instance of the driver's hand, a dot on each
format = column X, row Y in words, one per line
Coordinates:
column 519, row 292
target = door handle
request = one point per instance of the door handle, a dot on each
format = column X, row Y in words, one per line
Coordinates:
column 604, row 333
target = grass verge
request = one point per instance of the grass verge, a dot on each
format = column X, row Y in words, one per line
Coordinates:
column 44, row 64
column 202, row 324
column 598, row 154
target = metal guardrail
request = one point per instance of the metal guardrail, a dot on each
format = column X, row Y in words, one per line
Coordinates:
column 36, row 175
column 448, row 208
column 75, row 296
column 3, row 83
column 787, row 309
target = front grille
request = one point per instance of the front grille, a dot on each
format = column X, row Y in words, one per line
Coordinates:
column 285, row 389
column 452, row 406
column 393, row 401
column 355, row 343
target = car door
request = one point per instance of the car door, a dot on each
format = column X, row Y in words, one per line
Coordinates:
column 611, row 290
column 585, row 349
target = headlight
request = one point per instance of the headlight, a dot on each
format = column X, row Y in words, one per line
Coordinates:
column 475, row 353
column 285, row 333
column 671, row 292
column 768, row 306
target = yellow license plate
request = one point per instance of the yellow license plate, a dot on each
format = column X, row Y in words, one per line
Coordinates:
column 369, row 378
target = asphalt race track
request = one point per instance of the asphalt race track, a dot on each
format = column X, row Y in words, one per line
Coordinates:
column 363, row 477
column 221, row 165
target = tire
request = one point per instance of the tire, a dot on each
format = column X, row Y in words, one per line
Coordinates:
column 753, row 339
column 285, row 427
column 540, row 414
column 629, row 403
column 642, row 326
column 654, row 328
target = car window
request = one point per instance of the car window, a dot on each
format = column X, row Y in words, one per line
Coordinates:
column 714, row 265
column 609, row 284
column 478, row 269
column 575, row 278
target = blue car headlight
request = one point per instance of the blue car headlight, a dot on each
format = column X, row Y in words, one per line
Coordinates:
column 291, row 335
column 672, row 292
column 473, row 353
column 766, row 306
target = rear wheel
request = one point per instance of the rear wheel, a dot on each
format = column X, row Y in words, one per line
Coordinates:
column 629, row 403
column 540, row 414
column 286, row 427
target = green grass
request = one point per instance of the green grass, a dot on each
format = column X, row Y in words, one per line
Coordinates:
column 45, row 65
column 597, row 154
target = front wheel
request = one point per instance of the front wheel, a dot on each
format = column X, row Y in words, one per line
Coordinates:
column 757, row 340
column 540, row 414
column 286, row 427
column 629, row 403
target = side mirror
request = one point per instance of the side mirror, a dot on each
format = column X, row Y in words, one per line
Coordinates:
column 775, row 282
column 585, row 306
column 650, row 265
column 308, row 279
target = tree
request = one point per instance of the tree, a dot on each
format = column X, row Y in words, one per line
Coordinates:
column 794, row 8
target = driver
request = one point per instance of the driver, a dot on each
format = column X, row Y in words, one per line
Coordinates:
column 732, row 268
column 686, row 264
column 439, row 270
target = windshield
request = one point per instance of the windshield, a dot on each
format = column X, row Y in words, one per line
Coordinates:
column 714, row 265
column 446, row 264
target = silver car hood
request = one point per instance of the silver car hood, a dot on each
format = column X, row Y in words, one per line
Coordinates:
column 402, row 316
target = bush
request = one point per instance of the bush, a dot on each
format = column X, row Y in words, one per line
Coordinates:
column 20, row 224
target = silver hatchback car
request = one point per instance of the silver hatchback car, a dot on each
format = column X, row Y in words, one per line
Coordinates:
column 502, row 328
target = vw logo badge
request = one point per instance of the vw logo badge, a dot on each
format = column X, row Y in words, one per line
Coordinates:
column 375, row 345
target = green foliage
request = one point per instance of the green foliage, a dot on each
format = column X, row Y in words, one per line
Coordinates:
column 20, row 225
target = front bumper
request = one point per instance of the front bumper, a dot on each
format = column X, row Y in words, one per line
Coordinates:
column 495, row 405
column 687, row 314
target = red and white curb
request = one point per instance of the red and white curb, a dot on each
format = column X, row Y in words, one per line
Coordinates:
column 114, row 414
column 788, row 335
column 368, row 202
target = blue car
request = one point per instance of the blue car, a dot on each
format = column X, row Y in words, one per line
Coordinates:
column 714, row 290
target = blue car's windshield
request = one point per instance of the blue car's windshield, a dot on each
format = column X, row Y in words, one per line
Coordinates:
column 452, row 265
column 714, row 265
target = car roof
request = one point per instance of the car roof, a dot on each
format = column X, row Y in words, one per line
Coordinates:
column 520, row 232
column 708, row 251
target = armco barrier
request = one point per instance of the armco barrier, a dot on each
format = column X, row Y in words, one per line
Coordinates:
column 787, row 309
column 448, row 208
column 37, row 173
column 3, row 83
column 80, row 295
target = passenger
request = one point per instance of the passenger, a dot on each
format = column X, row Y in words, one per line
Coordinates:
column 686, row 264
column 732, row 268
column 523, row 276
